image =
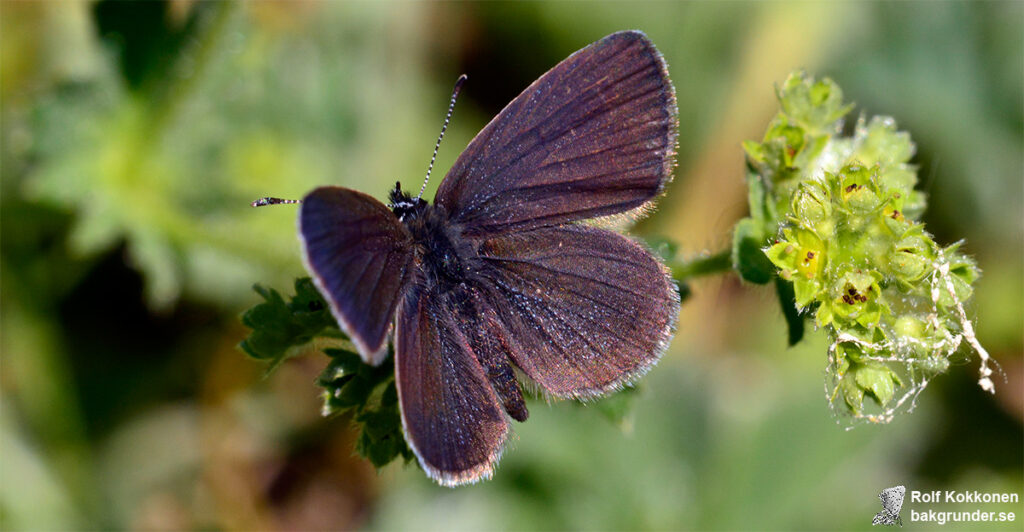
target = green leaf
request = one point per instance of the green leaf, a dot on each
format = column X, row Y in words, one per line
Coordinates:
column 754, row 151
column 794, row 320
column 805, row 291
column 758, row 196
column 384, row 450
column 309, row 308
column 877, row 381
column 344, row 364
column 853, row 394
column 277, row 326
column 354, row 392
column 351, row 385
column 269, row 320
column 823, row 317
column 747, row 257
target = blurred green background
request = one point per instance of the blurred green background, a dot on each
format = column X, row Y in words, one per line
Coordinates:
column 135, row 134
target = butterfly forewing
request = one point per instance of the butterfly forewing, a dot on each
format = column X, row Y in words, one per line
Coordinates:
column 593, row 136
column 452, row 417
column 360, row 257
column 582, row 309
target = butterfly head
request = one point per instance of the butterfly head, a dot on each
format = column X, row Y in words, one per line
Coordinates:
column 403, row 204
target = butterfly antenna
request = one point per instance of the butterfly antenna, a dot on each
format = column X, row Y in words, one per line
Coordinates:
column 262, row 202
column 451, row 109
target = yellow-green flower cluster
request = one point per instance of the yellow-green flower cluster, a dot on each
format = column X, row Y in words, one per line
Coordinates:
column 837, row 218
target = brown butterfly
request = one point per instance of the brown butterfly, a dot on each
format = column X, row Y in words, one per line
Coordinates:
column 498, row 273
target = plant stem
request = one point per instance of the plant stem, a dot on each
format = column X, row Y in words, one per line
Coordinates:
column 702, row 265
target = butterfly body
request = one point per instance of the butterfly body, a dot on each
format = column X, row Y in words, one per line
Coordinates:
column 446, row 266
column 497, row 274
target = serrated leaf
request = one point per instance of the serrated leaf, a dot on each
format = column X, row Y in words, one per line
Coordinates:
column 278, row 326
column 269, row 324
column 332, row 405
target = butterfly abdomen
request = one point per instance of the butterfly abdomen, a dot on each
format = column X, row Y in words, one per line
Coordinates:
column 491, row 349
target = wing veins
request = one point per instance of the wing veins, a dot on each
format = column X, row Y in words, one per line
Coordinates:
column 605, row 108
column 545, row 304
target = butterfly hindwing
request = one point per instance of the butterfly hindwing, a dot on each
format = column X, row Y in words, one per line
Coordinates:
column 593, row 136
column 360, row 257
column 453, row 419
column 582, row 310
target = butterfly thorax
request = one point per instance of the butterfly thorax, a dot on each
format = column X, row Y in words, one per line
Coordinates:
column 444, row 255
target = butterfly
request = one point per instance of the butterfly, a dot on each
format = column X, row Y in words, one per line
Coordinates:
column 892, row 502
column 499, row 274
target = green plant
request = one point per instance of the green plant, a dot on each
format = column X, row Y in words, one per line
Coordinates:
column 837, row 218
